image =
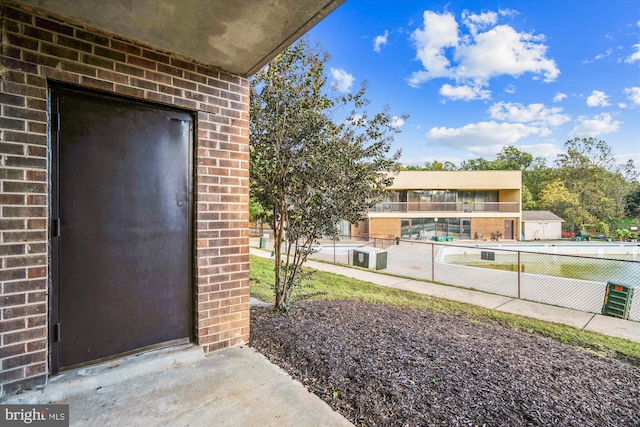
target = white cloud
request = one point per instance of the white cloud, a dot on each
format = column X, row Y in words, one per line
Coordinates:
column 635, row 56
column 479, row 22
column 508, row 12
column 356, row 120
column 598, row 99
column 597, row 125
column 534, row 114
column 380, row 41
column 397, row 122
column 484, row 136
column 488, row 51
column 439, row 32
column 622, row 105
column 501, row 51
column 546, row 150
column 608, row 52
column 559, row 97
column 633, row 93
column 465, row 93
column 342, row 79
column 510, row 89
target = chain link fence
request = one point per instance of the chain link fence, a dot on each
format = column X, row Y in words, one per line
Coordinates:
column 564, row 275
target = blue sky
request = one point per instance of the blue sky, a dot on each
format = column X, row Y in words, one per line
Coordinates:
column 475, row 76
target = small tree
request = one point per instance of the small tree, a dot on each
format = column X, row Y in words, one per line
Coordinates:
column 308, row 170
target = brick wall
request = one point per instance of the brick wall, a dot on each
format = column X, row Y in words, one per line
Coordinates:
column 486, row 226
column 37, row 49
column 386, row 228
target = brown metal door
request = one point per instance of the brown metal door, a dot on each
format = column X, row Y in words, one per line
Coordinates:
column 508, row 230
column 121, row 234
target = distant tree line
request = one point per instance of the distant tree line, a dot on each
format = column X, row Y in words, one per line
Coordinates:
column 585, row 186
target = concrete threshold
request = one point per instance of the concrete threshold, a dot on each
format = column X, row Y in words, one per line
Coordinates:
column 94, row 377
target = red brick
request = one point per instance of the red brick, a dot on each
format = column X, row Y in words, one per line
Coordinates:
column 127, row 69
column 20, row 211
column 11, row 250
column 36, row 345
column 11, row 325
column 12, row 375
column 36, row 224
column 28, row 138
column 22, row 360
column 37, row 200
column 16, row 14
column 13, row 387
column 23, row 261
column 167, row 69
column 13, row 299
column 58, row 51
column 12, row 350
column 11, row 199
column 98, row 61
column 7, row 99
column 36, row 272
column 38, row 33
column 130, row 91
column 108, row 53
column 36, row 248
column 37, row 104
column 53, row 26
column 74, row 43
column 141, row 62
column 112, row 76
column 183, row 64
column 96, row 84
column 92, row 38
column 27, row 162
column 24, row 310
column 38, row 368
column 25, row 187
column 23, row 42
column 25, row 286
column 25, row 335
column 36, row 321
column 125, row 47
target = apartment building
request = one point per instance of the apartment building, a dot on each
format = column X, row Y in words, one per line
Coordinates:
column 448, row 205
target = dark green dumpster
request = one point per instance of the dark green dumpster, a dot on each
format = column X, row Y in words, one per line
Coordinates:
column 617, row 300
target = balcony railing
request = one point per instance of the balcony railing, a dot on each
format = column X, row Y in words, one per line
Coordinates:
column 403, row 207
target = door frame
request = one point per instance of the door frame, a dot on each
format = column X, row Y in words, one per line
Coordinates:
column 513, row 231
column 54, row 213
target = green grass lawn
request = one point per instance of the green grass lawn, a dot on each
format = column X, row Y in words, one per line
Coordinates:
column 324, row 285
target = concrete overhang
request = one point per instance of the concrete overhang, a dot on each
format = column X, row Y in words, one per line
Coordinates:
column 238, row 36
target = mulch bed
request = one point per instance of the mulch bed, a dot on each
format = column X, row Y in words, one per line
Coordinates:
column 388, row 366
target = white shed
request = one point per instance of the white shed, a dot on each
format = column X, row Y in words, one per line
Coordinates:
column 541, row 225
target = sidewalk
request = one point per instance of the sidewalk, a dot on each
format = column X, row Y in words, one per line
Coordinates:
column 589, row 321
column 182, row 387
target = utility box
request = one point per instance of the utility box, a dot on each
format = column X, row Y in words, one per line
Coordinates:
column 263, row 243
column 488, row 255
column 617, row 300
column 370, row 258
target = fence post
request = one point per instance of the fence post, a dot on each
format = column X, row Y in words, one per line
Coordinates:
column 519, row 274
column 433, row 263
column 334, row 248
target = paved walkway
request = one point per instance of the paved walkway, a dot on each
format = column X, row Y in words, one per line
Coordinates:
column 589, row 321
column 182, row 387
